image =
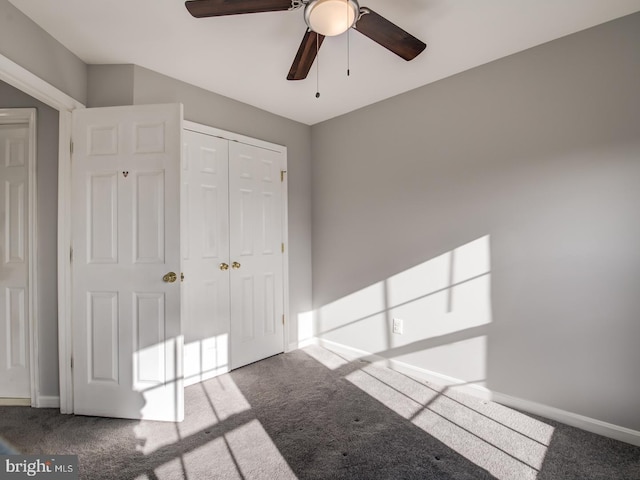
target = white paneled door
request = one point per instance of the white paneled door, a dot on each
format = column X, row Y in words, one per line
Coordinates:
column 14, row 302
column 127, row 344
column 205, row 253
column 255, row 224
column 232, row 250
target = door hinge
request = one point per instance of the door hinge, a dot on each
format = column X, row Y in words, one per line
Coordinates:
column 72, row 363
column 71, row 254
column 283, row 318
column 71, row 147
column 282, row 172
column 282, row 248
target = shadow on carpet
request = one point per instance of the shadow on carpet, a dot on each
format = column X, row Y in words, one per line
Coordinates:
column 311, row 414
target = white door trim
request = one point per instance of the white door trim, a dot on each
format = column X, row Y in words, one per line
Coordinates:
column 20, row 78
column 24, row 80
column 27, row 116
column 65, row 326
column 236, row 137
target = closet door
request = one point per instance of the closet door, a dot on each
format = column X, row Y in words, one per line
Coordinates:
column 256, row 278
column 205, row 254
column 232, row 255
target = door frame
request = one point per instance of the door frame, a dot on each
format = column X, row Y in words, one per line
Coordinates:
column 27, row 117
column 25, row 81
column 236, row 137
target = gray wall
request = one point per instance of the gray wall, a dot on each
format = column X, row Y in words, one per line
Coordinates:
column 110, row 85
column 535, row 159
column 26, row 44
column 47, row 180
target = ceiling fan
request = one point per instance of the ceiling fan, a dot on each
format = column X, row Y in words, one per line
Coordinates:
column 324, row 18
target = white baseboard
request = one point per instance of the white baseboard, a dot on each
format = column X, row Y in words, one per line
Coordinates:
column 41, row 401
column 406, row 368
column 579, row 421
column 569, row 418
column 306, row 342
column 15, row 402
column 48, row 401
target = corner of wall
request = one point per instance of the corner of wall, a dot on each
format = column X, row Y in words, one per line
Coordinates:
column 110, row 85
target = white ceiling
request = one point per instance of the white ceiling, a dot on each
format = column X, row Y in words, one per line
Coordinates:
column 247, row 57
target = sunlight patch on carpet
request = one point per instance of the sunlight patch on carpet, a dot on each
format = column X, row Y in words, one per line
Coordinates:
column 506, row 443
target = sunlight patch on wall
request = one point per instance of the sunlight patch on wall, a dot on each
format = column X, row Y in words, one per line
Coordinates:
column 444, row 305
column 305, row 328
column 368, row 304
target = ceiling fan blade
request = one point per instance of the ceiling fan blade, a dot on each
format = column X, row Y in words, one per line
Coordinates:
column 306, row 55
column 389, row 35
column 217, row 8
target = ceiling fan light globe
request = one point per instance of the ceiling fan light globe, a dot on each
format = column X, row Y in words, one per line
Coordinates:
column 331, row 17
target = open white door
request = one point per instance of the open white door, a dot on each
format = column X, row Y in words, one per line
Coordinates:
column 127, row 343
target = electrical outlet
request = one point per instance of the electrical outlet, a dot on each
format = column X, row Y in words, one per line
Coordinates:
column 397, row 326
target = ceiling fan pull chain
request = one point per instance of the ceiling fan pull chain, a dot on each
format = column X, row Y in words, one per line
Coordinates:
column 348, row 41
column 317, row 66
column 348, row 52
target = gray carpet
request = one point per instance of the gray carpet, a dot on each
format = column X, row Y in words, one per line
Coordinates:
column 311, row 414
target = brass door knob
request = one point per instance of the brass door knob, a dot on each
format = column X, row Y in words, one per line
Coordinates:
column 235, row 265
column 224, row 266
column 170, row 277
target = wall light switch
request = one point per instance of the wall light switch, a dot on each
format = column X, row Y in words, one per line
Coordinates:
column 397, row 326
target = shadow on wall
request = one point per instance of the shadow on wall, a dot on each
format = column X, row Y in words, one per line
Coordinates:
column 434, row 316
